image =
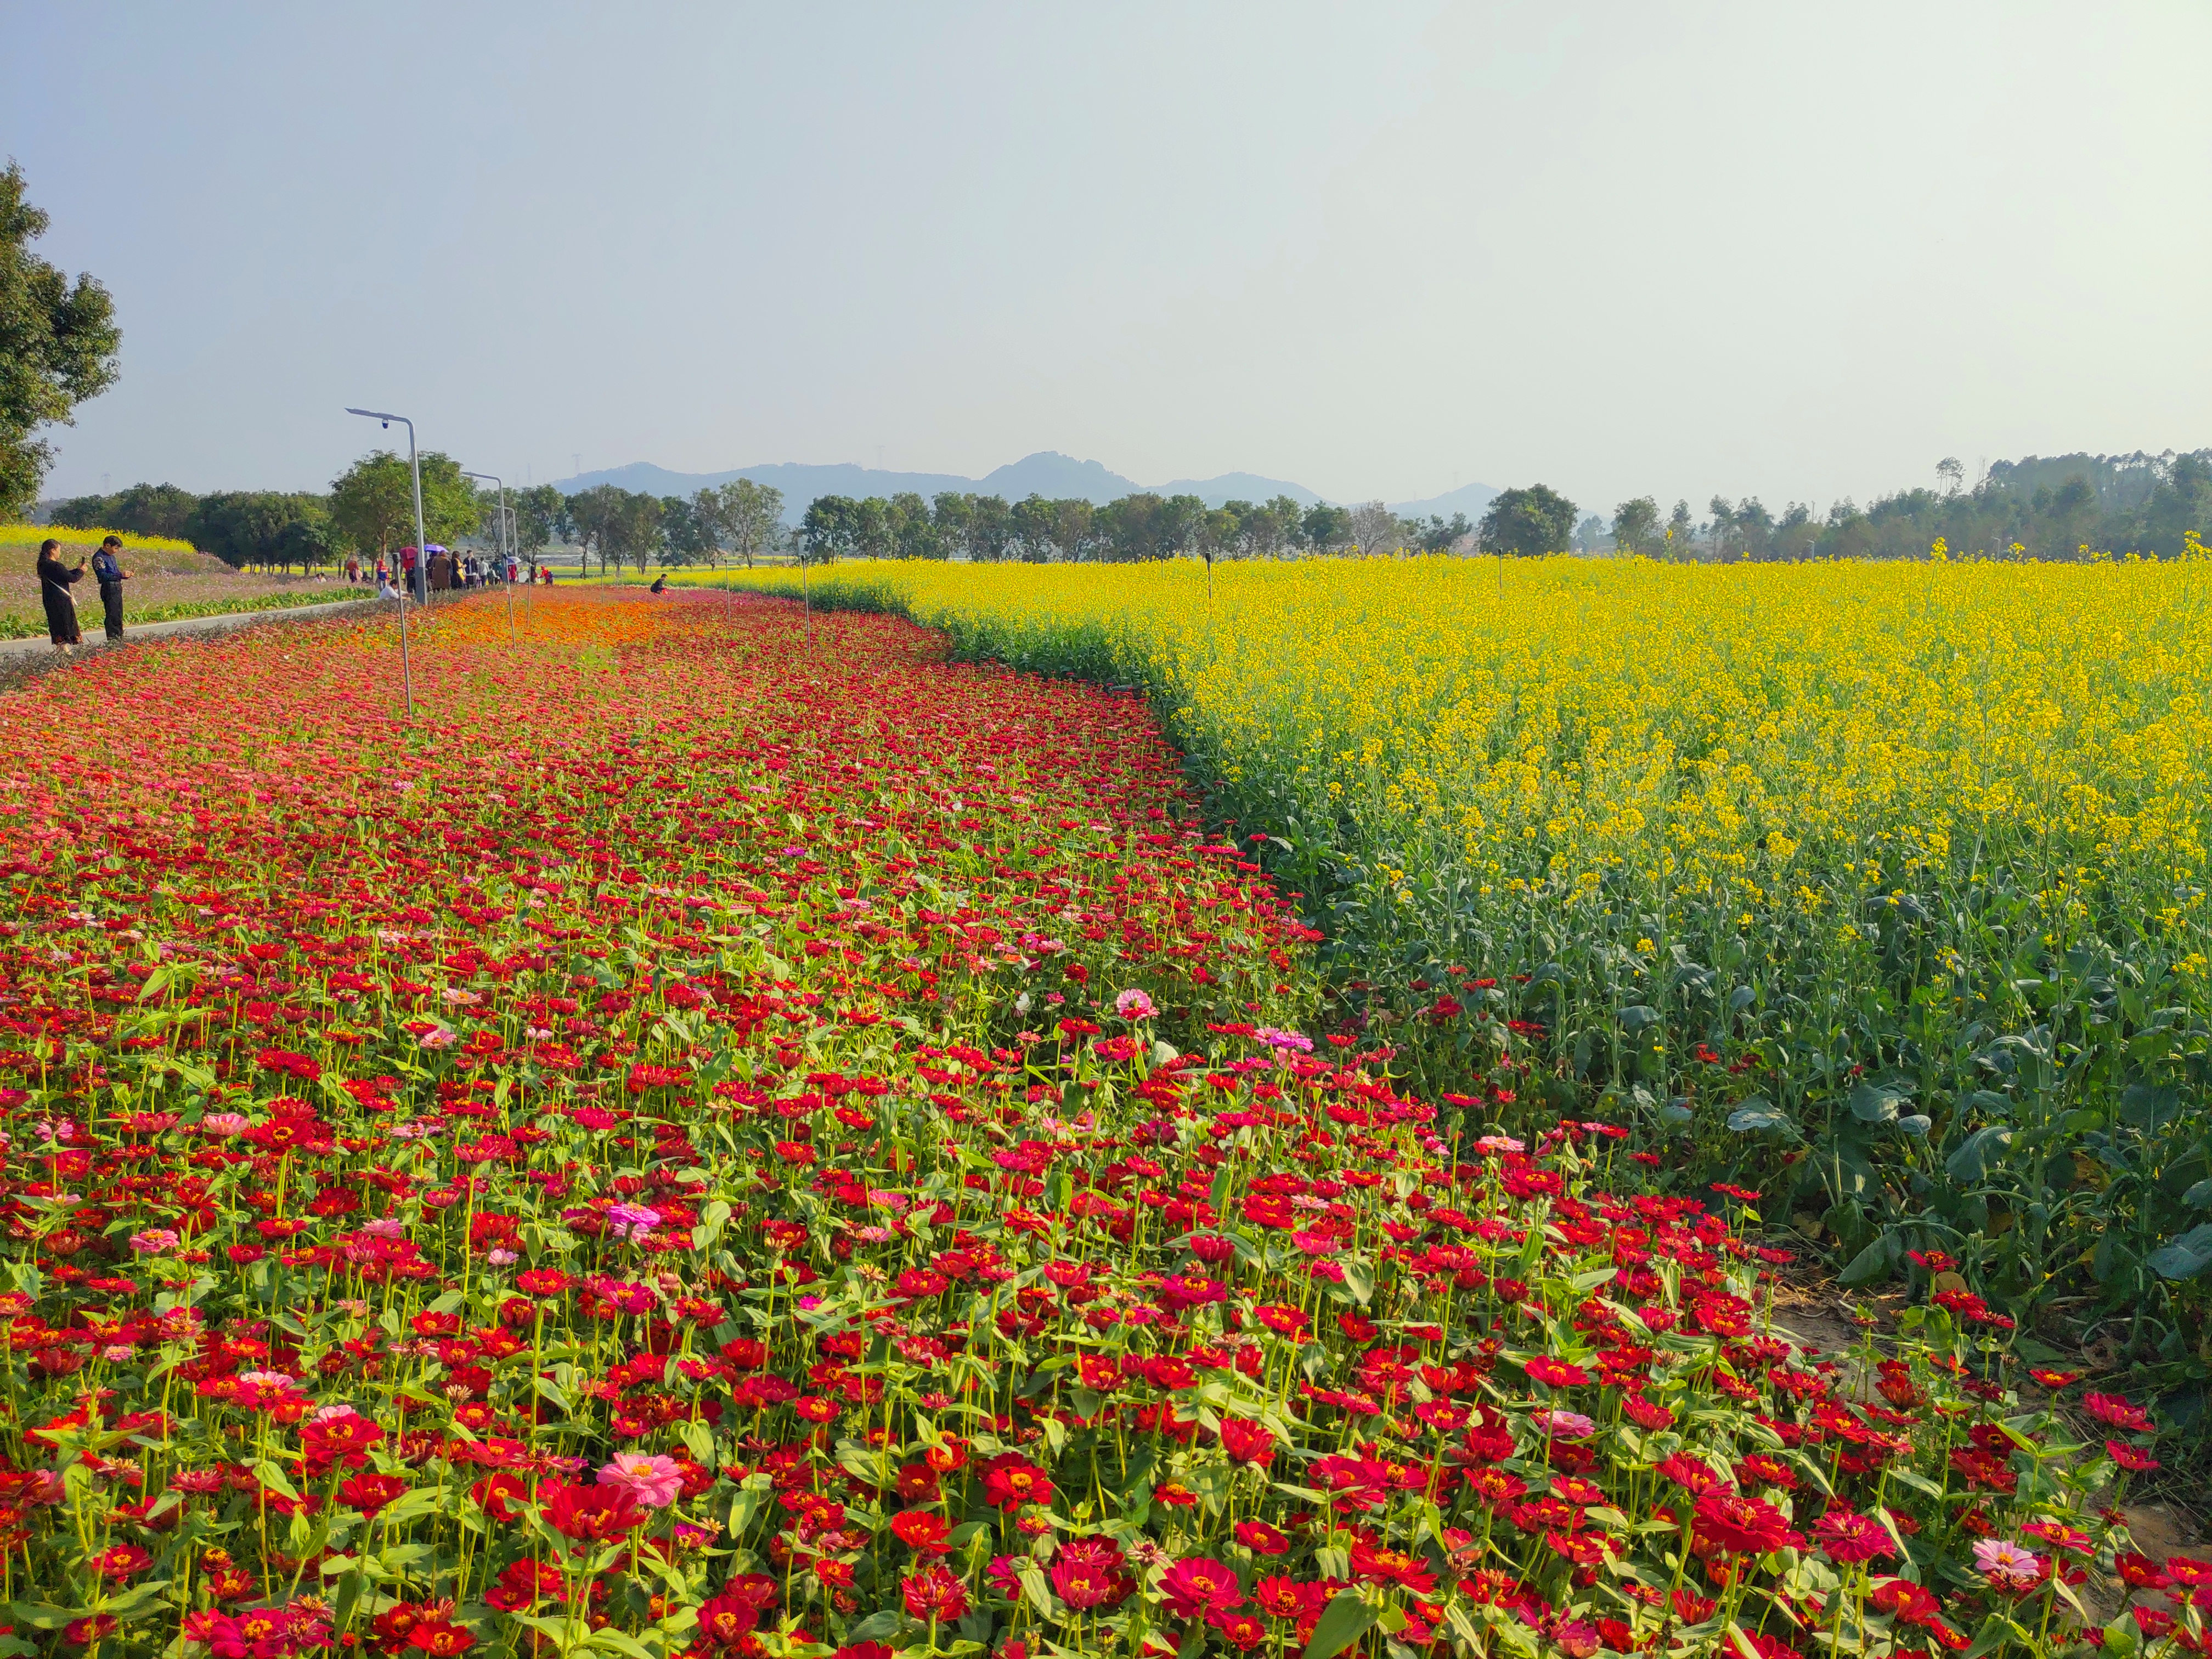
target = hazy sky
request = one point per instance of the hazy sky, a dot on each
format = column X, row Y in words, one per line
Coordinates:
column 1798, row 250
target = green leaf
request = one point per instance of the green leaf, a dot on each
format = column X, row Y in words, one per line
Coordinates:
column 1359, row 1280
column 611, row 1640
column 1343, row 1622
column 1758, row 1115
column 40, row 1616
column 1978, row 1152
column 2184, row 1257
column 275, row 1479
column 1877, row 1102
column 2147, row 1105
column 418, row 1500
column 1872, row 1262
column 751, row 1499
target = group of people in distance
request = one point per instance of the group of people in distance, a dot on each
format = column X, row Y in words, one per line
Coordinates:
column 444, row 572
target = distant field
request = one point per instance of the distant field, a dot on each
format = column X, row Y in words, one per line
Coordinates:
column 167, row 582
column 28, row 536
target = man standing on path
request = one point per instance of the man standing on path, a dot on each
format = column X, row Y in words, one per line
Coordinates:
column 108, row 570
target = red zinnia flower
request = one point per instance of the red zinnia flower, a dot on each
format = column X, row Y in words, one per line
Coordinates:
column 1193, row 1589
column 921, row 1531
column 589, row 1512
column 1743, row 1526
column 930, row 1592
column 1247, row 1443
column 1011, row 1481
column 1847, row 1539
column 439, row 1639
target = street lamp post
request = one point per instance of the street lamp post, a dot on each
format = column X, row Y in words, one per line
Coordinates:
column 506, row 579
column 415, row 472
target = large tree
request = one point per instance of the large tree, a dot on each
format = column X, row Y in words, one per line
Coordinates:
column 750, row 514
column 1376, row 529
column 1530, row 522
column 1637, row 529
column 1440, row 534
column 592, row 512
column 688, row 529
column 1326, row 527
column 622, row 526
column 1075, row 527
column 373, row 502
column 990, row 527
column 913, row 532
column 1033, row 522
column 538, row 513
column 828, row 528
column 58, row 343
column 952, row 511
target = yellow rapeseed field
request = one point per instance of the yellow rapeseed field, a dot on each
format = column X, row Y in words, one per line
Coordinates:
column 30, row 535
column 1716, row 735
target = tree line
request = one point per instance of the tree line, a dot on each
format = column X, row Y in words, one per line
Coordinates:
column 2057, row 508
column 2049, row 507
column 369, row 511
column 1142, row 526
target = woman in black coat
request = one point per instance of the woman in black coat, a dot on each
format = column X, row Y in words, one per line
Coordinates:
column 54, row 580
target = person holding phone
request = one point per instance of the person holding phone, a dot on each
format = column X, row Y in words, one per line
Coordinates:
column 107, row 569
column 54, row 581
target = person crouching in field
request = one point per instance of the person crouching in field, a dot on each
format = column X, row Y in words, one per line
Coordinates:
column 107, row 569
column 54, row 580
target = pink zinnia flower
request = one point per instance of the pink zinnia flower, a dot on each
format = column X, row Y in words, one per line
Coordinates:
column 655, row 1482
column 1134, row 1005
column 2007, row 1565
column 1564, row 1425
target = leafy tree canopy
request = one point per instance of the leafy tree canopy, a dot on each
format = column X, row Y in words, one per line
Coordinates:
column 1529, row 522
column 372, row 507
column 58, row 344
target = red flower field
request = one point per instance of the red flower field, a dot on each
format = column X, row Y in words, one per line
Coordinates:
column 707, row 1144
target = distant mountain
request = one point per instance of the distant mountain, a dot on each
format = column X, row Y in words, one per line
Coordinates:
column 1470, row 499
column 1056, row 478
column 799, row 483
column 1238, row 487
column 1047, row 473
